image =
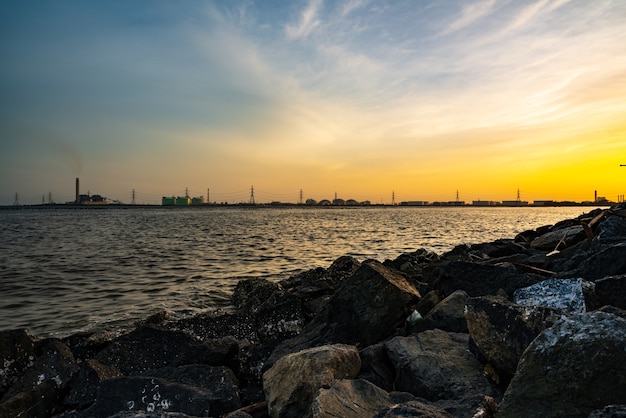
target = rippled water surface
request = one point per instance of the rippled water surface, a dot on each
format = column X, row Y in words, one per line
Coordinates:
column 68, row 269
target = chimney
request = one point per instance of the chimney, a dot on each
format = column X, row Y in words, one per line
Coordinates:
column 77, row 190
column 595, row 195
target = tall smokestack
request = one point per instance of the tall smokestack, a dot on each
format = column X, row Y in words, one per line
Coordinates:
column 77, row 190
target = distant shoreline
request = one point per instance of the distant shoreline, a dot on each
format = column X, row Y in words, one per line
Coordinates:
column 294, row 205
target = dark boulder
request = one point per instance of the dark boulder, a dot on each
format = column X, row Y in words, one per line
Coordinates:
column 40, row 401
column 574, row 367
column 612, row 227
column 479, row 280
column 292, row 382
column 250, row 294
column 17, row 352
column 376, row 367
column 219, row 383
column 146, row 348
column 610, row 261
column 448, row 315
column 84, row 385
column 497, row 249
column 54, row 362
column 611, row 290
column 502, row 330
column 148, row 394
column 437, row 365
column 367, row 308
column 280, row 317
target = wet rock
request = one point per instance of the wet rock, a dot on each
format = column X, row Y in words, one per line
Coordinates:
column 611, row 290
column 553, row 240
column 145, row 348
column 86, row 345
column 147, row 394
column 84, row 385
column 280, row 317
column 350, row 399
column 322, row 281
column 447, row 315
column 563, row 294
column 54, row 362
column 570, row 369
column 17, row 353
column 219, row 383
column 479, row 280
column 292, row 382
column 250, row 294
column 426, row 369
column 368, row 307
column 218, row 325
column 502, row 330
column 37, row 402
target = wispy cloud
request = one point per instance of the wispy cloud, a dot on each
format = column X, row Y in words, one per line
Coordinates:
column 470, row 14
column 308, row 21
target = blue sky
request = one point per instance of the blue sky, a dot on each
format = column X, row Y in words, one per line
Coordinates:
column 361, row 98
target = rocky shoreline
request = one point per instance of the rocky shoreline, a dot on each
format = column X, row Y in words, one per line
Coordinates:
column 529, row 326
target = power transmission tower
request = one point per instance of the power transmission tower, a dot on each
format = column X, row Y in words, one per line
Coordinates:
column 393, row 198
column 132, row 202
column 208, row 200
column 252, row 195
column 300, row 201
column 518, row 196
column 457, row 196
column 50, row 201
column 17, row 201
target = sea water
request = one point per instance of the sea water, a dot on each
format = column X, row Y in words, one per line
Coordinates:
column 64, row 270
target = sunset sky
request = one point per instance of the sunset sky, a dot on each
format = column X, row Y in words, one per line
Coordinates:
column 359, row 98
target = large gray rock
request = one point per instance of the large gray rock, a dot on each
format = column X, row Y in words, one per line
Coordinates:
column 501, row 330
column 565, row 236
column 570, row 369
column 563, row 294
column 437, row 365
column 292, row 382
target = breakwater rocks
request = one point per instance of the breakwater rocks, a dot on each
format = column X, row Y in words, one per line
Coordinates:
column 529, row 326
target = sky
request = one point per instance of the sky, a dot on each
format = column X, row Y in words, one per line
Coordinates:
column 368, row 100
